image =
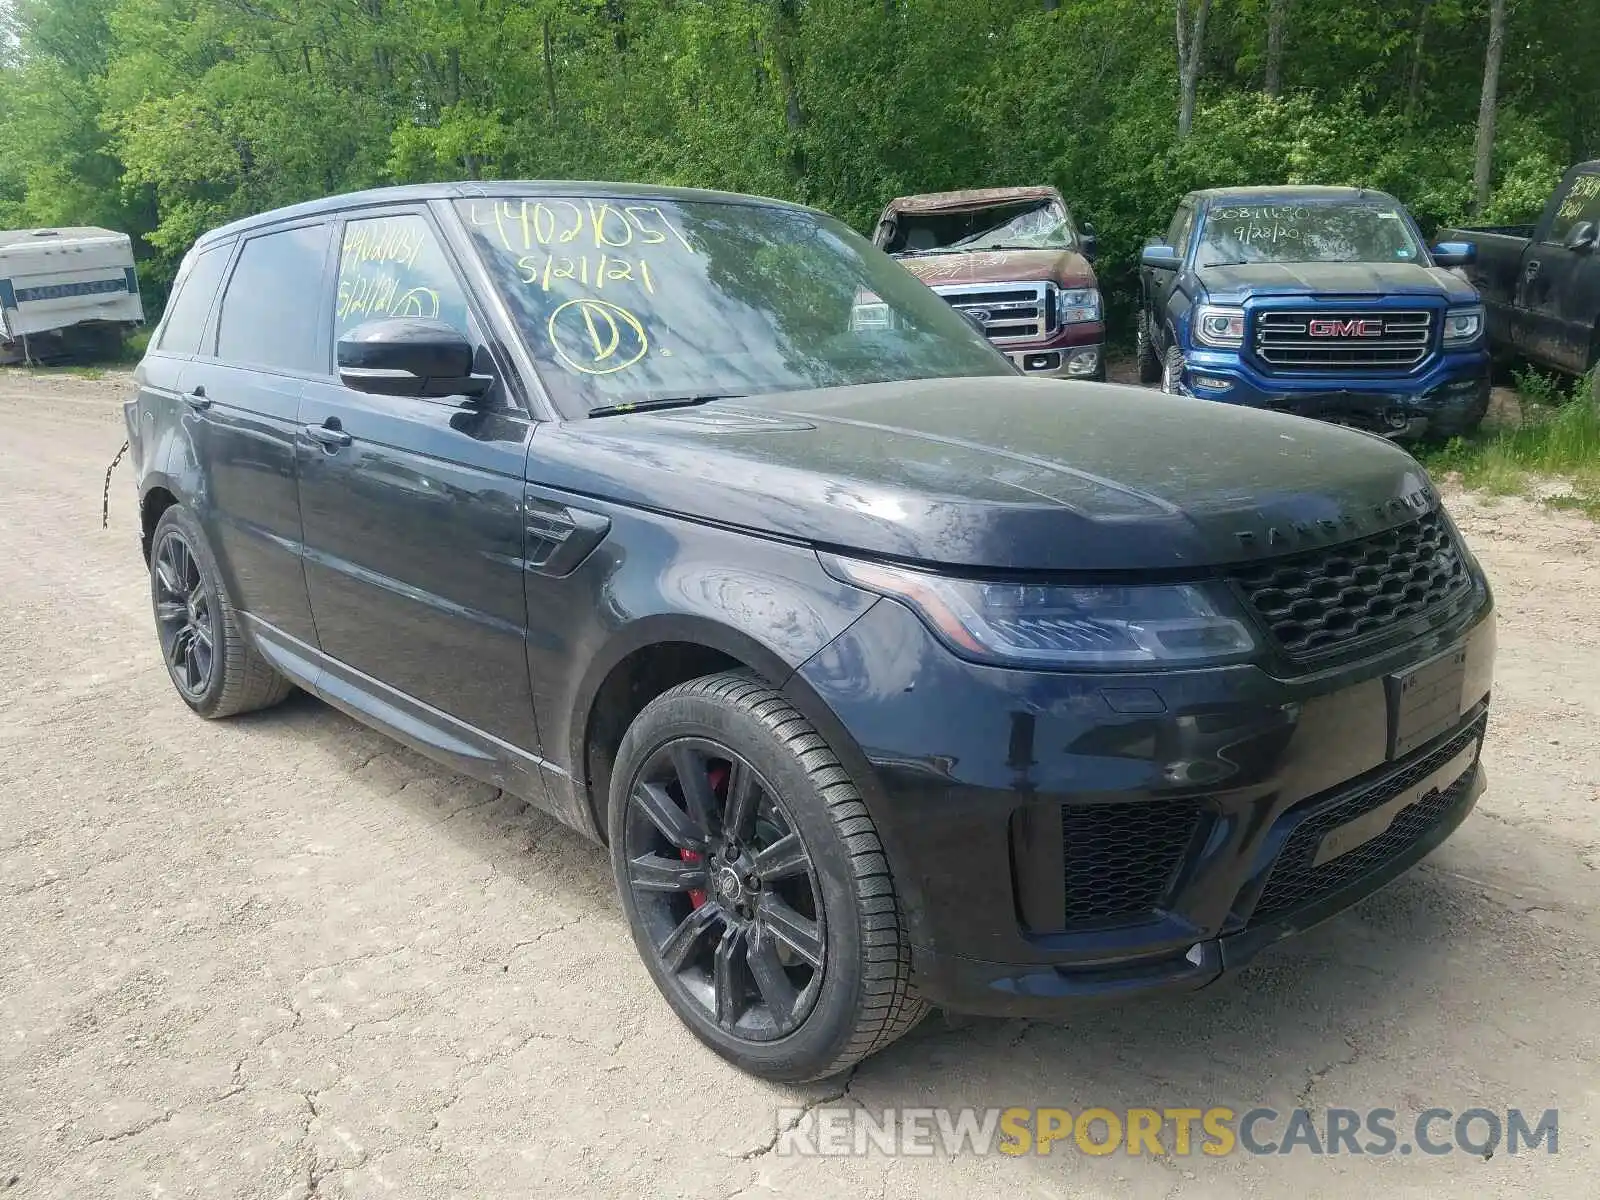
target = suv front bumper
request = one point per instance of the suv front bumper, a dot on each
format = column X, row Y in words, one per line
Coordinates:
column 1057, row 837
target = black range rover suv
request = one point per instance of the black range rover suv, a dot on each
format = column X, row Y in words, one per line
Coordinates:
column 889, row 677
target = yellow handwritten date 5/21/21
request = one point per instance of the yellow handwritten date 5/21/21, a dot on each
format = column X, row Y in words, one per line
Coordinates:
column 378, row 293
column 541, row 270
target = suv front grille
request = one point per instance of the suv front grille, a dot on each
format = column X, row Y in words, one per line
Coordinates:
column 1122, row 858
column 1313, row 340
column 1316, row 601
column 1295, row 880
column 1011, row 312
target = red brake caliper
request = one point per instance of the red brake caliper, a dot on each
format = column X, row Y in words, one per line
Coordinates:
column 718, row 776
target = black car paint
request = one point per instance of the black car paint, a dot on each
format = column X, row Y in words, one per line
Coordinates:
column 1543, row 296
column 421, row 585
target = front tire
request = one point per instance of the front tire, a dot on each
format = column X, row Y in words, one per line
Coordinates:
column 755, row 885
column 211, row 663
column 1172, row 368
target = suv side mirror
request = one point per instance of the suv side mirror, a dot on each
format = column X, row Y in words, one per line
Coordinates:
column 1581, row 237
column 1160, row 258
column 1454, row 254
column 409, row 356
column 1088, row 242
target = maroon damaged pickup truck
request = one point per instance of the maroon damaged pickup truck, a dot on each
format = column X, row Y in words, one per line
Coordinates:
column 1014, row 260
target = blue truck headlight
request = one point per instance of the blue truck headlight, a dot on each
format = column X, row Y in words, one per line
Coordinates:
column 1078, row 305
column 1063, row 625
column 1218, row 325
column 1463, row 325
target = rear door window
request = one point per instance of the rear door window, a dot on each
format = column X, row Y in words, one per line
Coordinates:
column 269, row 313
column 1581, row 203
column 190, row 304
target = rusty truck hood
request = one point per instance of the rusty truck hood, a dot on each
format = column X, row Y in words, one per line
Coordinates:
column 1065, row 267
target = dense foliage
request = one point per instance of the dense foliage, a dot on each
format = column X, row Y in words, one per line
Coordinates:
column 167, row 117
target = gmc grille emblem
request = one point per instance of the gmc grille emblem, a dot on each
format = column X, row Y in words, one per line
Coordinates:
column 1324, row 327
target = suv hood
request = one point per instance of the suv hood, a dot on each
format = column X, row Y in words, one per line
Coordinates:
column 1066, row 267
column 1241, row 283
column 998, row 472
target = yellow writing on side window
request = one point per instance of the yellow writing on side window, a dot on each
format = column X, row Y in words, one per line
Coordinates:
column 1584, row 189
column 384, row 241
column 380, row 293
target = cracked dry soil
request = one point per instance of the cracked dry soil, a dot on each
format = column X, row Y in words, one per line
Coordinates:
column 281, row 957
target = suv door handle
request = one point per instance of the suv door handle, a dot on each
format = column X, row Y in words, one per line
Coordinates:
column 197, row 399
column 328, row 433
column 1533, row 267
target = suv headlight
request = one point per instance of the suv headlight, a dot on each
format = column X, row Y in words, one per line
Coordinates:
column 1077, row 306
column 1463, row 325
column 1218, row 325
column 1063, row 625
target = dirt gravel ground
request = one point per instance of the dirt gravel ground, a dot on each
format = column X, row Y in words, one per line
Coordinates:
column 284, row 957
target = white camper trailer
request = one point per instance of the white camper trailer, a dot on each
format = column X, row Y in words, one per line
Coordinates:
column 66, row 292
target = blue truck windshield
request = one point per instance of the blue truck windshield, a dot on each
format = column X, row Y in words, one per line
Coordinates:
column 1236, row 234
column 628, row 301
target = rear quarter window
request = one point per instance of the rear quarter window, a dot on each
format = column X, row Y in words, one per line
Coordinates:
column 191, row 300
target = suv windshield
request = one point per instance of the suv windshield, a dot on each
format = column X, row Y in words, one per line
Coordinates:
column 1317, row 232
column 628, row 301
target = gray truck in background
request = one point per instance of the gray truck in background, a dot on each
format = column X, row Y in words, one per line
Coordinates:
column 1541, row 282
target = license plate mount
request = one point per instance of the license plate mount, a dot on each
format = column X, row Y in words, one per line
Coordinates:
column 1342, row 839
column 1425, row 700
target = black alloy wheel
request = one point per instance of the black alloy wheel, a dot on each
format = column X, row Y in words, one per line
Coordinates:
column 725, row 888
column 186, row 615
column 212, row 663
column 754, row 883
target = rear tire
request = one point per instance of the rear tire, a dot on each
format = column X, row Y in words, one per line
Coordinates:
column 762, row 904
column 1145, row 351
column 211, row 663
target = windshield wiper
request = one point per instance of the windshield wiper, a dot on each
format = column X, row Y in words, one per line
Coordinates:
column 614, row 410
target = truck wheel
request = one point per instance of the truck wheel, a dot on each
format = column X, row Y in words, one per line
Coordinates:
column 1172, row 366
column 1145, row 350
column 216, row 670
column 754, row 882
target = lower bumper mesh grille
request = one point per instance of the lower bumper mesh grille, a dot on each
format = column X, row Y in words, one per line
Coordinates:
column 1121, row 859
column 1297, row 880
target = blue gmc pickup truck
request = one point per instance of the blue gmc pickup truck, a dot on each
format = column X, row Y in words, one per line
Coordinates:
column 1325, row 302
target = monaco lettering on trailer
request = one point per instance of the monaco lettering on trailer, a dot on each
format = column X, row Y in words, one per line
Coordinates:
column 66, row 292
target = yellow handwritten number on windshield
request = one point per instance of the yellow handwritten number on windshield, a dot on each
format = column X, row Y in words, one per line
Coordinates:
column 597, row 337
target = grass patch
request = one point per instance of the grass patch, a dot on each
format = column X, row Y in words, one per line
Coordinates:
column 74, row 370
column 1559, row 436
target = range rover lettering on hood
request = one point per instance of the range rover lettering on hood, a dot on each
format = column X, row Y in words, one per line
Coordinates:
column 1343, row 528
